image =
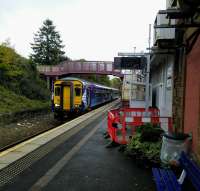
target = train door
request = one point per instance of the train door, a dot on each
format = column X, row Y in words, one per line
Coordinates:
column 66, row 97
column 88, row 96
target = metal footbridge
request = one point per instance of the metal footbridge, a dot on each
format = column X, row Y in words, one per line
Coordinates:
column 80, row 67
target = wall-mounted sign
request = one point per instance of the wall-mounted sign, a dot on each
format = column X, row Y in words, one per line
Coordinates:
column 131, row 63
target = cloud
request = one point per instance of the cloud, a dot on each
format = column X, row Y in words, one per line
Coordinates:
column 90, row 29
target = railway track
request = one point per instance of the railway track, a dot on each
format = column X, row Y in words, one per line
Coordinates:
column 14, row 143
column 57, row 123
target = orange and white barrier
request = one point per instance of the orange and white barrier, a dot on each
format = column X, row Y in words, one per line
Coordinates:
column 122, row 122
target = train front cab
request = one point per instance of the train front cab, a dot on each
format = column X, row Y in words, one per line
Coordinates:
column 63, row 98
column 67, row 98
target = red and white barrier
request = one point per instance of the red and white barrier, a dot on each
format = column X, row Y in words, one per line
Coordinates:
column 122, row 122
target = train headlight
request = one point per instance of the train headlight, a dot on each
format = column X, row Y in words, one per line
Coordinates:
column 57, row 105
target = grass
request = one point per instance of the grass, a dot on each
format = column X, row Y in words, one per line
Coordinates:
column 11, row 102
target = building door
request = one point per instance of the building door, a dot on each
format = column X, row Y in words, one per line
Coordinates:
column 154, row 98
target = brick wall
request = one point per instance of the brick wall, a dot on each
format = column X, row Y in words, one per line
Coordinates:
column 186, row 93
column 192, row 96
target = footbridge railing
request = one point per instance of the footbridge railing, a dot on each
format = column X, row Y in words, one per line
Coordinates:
column 81, row 67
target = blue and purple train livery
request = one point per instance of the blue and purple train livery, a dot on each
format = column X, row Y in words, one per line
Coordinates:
column 72, row 95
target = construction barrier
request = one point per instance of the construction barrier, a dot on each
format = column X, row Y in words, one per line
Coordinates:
column 122, row 122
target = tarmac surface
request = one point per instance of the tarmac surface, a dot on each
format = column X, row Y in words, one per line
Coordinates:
column 83, row 163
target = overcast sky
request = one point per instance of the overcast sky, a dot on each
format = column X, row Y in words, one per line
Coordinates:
column 90, row 29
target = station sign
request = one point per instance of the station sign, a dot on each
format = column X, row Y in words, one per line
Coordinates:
column 130, row 62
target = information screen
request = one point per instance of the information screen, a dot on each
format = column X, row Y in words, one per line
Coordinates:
column 130, row 62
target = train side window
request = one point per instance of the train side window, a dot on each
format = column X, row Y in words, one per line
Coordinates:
column 57, row 91
column 77, row 91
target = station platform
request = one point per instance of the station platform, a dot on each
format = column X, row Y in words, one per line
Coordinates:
column 72, row 157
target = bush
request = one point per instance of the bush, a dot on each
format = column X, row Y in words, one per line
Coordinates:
column 149, row 132
column 20, row 75
column 12, row 103
column 146, row 143
column 33, row 89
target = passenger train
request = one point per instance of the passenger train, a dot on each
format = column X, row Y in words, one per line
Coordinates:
column 74, row 95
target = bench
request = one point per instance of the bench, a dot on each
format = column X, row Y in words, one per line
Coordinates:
column 166, row 180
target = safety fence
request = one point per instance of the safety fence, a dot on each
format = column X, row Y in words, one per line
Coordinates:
column 123, row 122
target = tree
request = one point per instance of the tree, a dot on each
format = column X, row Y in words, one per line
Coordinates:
column 116, row 83
column 47, row 46
column 100, row 79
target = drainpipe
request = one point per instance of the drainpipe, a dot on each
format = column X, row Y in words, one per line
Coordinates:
column 147, row 83
column 147, row 74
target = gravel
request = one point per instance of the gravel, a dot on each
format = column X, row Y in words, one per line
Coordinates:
column 24, row 128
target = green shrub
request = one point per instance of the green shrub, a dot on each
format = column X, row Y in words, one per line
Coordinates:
column 20, row 75
column 11, row 102
column 146, row 142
